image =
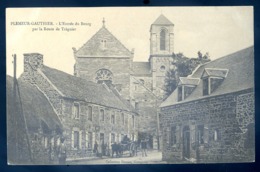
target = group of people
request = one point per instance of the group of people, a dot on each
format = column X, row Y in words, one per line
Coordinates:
column 117, row 149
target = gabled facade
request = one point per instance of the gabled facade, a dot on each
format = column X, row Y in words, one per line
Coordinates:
column 213, row 120
column 104, row 58
column 88, row 111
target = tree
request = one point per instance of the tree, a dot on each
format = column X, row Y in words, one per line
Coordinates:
column 171, row 81
column 183, row 67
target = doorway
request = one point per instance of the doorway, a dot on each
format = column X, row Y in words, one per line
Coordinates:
column 186, row 142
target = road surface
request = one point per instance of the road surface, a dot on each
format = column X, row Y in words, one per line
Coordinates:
column 153, row 157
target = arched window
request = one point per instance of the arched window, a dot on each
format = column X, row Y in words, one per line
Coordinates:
column 104, row 75
column 162, row 39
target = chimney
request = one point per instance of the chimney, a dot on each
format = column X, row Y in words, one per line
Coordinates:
column 32, row 61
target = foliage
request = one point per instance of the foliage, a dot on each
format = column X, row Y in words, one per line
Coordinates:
column 182, row 67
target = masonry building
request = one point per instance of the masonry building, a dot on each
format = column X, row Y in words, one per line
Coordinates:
column 210, row 117
column 141, row 83
column 89, row 112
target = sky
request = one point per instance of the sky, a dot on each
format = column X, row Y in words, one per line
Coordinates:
column 216, row 30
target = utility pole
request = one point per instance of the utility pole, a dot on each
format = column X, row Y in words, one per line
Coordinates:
column 19, row 116
column 14, row 116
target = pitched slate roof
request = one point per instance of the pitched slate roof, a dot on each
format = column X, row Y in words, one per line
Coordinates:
column 94, row 48
column 162, row 20
column 189, row 81
column 240, row 76
column 81, row 89
column 141, row 68
column 36, row 107
column 216, row 72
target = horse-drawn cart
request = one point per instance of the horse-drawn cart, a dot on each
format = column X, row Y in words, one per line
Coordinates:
column 128, row 149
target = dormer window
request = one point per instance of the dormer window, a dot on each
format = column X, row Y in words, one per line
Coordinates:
column 212, row 79
column 186, row 86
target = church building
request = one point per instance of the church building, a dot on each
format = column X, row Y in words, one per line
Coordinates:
column 103, row 58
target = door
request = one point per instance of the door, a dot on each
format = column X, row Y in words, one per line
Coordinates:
column 186, row 142
column 102, row 142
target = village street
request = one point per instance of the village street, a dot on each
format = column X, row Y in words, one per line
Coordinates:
column 153, row 157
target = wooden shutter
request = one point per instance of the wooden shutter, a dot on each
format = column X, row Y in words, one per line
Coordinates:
column 93, row 139
column 206, row 134
column 86, row 139
column 80, row 139
column 72, row 139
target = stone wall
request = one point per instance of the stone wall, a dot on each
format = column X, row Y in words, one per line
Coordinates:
column 96, row 126
column 145, row 103
column 120, row 67
column 222, row 133
column 63, row 107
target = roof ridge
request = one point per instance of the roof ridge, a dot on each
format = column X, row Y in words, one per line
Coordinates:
column 79, row 78
column 162, row 20
column 221, row 58
column 112, row 35
column 118, row 40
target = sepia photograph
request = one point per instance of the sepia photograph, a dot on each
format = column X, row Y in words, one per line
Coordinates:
column 130, row 85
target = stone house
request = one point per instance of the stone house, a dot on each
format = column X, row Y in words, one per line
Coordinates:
column 210, row 117
column 33, row 127
column 89, row 112
column 141, row 83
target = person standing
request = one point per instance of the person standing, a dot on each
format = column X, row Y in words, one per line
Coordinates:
column 62, row 152
column 96, row 148
column 113, row 149
column 144, row 147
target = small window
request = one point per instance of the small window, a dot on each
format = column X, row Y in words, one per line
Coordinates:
column 200, row 134
column 123, row 118
column 216, row 135
column 162, row 68
column 104, row 43
column 113, row 139
column 113, row 119
column 76, row 110
column 76, row 139
column 133, row 121
column 45, row 142
column 102, row 115
column 173, row 135
column 136, row 105
column 205, row 86
column 90, row 113
column 89, row 139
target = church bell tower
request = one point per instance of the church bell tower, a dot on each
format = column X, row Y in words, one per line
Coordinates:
column 161, row 51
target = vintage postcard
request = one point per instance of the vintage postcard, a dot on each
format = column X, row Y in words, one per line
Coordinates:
column 130, row 85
